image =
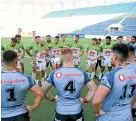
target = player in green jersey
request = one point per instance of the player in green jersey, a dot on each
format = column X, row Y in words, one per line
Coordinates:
column 39, row 54
column 12, row 46
column 49, row 45
column 55, row 54
column 31, row 47
column 21, row 46
column 77, row 51
column 106, row 55
column 92, row 54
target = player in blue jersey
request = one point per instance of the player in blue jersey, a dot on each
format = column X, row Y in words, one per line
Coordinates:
column 132, row 65
column 117, row 89
column 14, row 87
column 69, row 82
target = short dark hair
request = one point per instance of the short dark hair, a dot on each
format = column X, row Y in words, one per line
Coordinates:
column 37, row 37
column 13, row 40
column 122, row 50
column 108, row 37
column 77, row 36
column 48, row 35
column 134, row 37
column 120, row 37
column 9, row 56
column 131, row 48
column 17, row 36
column 94, row 39
column 100, row 39
column 57, row 37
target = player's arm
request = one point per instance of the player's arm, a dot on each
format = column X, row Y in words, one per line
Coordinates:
column 91, row 86
column 34, row 57
column 102, row 91
column 37, row 91
column 133, row 102
column 81, row 51
column 46, row 87
column 28, row 50
column 99, row 54
column 23, row 50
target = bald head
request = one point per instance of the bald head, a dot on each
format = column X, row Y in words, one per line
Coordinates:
column 67, row 56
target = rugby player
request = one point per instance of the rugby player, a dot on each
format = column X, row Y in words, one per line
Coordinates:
column 77, row 51
column 133, row 43
column 31, row 47
column 12, row 46
column 69, row 81
column 14, row 87
column 99, row 60
column 117, row 89
column 49, row 45
column 39, row 54
column 106, row 55
column 131, row 63
column 92, row 54
column 21, row 46
column 55, row 54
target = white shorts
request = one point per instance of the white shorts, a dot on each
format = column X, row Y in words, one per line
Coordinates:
column 40, row 66
column 90, row 63
column 56, row 60
column 106, row 62
column 48, row 59
column 76, row 61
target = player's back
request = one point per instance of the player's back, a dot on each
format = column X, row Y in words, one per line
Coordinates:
column 69, row 82
column 131, row 66
column 122, row 82
column 14, row 86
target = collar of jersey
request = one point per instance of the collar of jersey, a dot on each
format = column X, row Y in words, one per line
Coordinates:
column 10, row 71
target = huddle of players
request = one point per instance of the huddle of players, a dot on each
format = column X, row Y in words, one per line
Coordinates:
column 49, row 53
column 110, row 100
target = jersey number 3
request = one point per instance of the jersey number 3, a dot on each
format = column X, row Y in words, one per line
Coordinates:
column 11, row 92
column 70, row 86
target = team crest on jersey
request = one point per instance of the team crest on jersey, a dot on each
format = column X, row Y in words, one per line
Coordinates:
column 121, row 77
column 58, row 75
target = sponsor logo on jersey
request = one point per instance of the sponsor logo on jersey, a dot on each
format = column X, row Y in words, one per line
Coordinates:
column 121, row 77
column 59, row 75
column 12, row 81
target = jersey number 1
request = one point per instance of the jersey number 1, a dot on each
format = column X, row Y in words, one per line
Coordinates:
column 11, row 92
column 70, row 86
column 125, row 88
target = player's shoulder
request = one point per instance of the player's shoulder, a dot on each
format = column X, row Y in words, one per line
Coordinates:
column 111, row 74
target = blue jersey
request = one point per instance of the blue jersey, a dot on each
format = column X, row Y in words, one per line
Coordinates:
column 131, row 66
column 14, row 87
column 69, row 82
column 121, row 82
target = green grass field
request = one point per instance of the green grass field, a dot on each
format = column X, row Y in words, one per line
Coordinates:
column 46, row 110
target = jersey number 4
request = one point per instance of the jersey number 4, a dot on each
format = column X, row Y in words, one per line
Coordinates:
column 128, row 89
column 11, row 92
column 70, row 86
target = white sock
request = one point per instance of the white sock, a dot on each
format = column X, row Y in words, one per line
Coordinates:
column 36, row 81
column 100, row 75
column 42, row 80
column 92, row 75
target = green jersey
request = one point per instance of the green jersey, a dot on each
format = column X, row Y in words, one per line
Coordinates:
column 106, row 50
column 40, row 52
column 76, row 48
column 14, row 48
column 92, row 51
column 55, row 50
column 65, row 44
column 20, row 45
column 33, row 46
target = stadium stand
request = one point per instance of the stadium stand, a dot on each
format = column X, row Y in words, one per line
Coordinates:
column 109, row 9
